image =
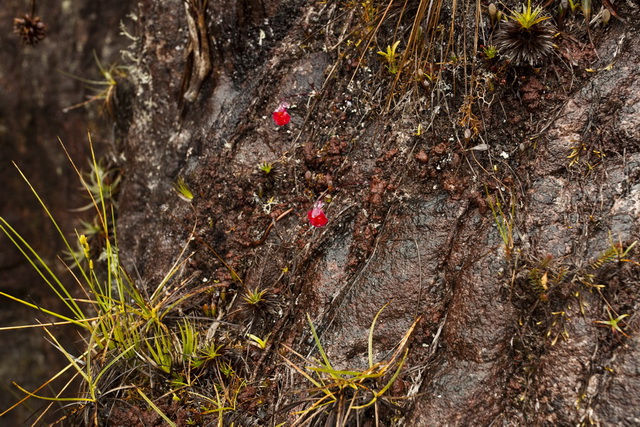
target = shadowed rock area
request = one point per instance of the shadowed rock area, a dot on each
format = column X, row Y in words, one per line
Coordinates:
column 36, row 87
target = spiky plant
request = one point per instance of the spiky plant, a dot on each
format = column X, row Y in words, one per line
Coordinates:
column 526, row 37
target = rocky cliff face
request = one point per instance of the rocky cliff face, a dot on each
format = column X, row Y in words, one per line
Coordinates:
column 506, row 334
column 507, row 244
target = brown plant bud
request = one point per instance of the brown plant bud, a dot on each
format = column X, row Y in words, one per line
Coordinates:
column 31, row 30
column 606, row 17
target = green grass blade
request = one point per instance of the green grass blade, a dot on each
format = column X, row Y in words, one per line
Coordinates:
column 308, row 377
column 41, row 268
column 81, row 323
column 104, row 370
column 317, row 341
column 395, row 374
column 51, row 218
column 370, row 343
column 334, row 372
column 155, row 408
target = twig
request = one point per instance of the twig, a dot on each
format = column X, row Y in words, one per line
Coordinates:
column 199, row 63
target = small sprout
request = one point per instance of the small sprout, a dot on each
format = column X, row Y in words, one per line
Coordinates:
column 104, row 89
column 613, row 323
column 316, row 216
column 90, row 229
column 101, row 182
column 208, row 352
column 183, row 190
column 494, row 14
column 266, row 167
column 573, row 5
column 209, row 310
column 490, row 52
column 281, row 116
column 259, row 342
column 391, row 57
column 254, row 296
column 606, row 17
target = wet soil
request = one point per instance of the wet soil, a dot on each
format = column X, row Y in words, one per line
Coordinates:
column 506, row 331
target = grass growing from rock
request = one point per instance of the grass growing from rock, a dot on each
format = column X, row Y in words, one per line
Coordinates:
column 342, row 396
column 130, row 339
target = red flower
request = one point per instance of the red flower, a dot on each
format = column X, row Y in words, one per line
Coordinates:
column 316, row 216
column 281, row 115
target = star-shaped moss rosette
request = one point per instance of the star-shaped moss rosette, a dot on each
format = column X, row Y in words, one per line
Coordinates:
column 526, row 37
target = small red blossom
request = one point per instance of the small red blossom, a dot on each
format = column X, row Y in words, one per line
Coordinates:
column 316, row 216
column 281, row 115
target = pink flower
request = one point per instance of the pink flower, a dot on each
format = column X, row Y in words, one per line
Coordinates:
column 316, row 216
column 281, row 115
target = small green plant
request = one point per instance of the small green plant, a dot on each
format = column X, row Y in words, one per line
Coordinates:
column 615, row 252
column 159, row 351
column 189, row 343
column 527, row 36
column 543, row 277
column 100, row 181
column 369, row 10
column 503, row 222
column 529, row 17
column 490, row 52
column 105, row 89
column 612, row 323
column 391, row 58
column 266, row 167
column 183, row 190
column 255, row 296
column 123, row 327
column 573, row 5
column 334, row 390
column 209, row 351
column 259, row 342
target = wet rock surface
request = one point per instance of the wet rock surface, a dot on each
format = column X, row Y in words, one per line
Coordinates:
column 506, row 332
column 410, row 226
